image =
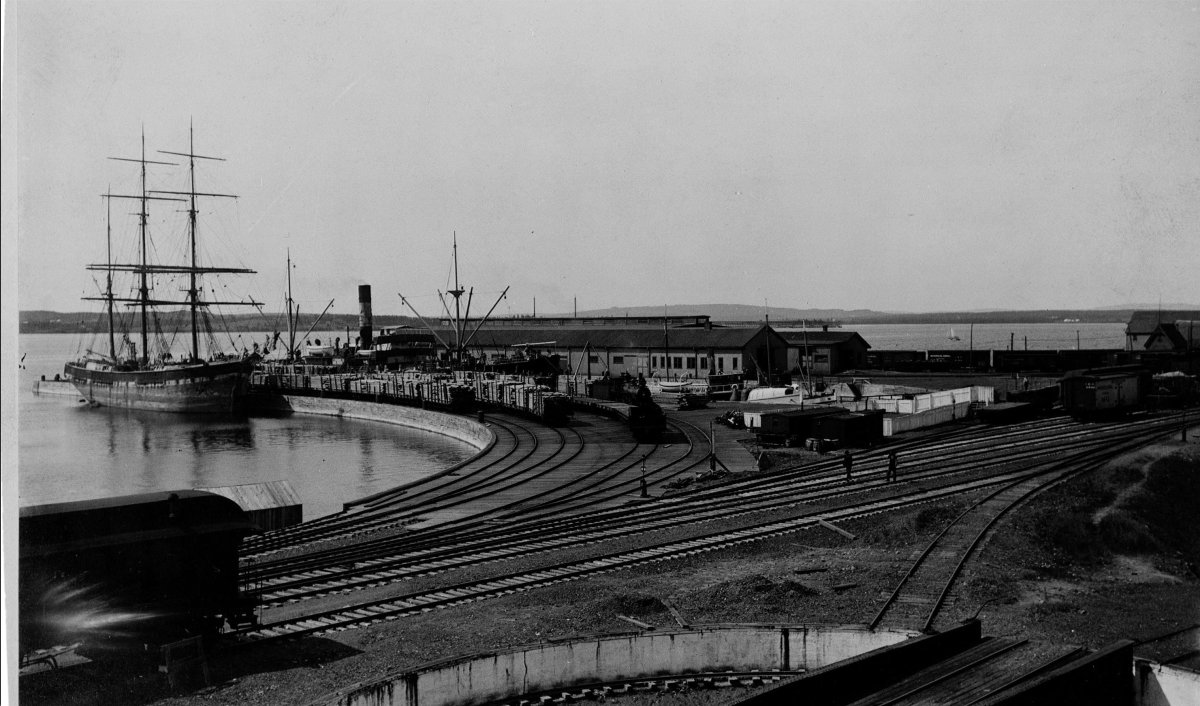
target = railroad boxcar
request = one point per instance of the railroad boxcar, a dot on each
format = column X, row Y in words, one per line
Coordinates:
column 1101, row 391
column 1041, row 399
column 1006, row 412
column 857, row 429
column 133, row 570
column 791, row 425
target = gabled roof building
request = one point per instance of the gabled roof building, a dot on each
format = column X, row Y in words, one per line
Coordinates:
column 669, row 353
column 1143, row 323
column 825, row 352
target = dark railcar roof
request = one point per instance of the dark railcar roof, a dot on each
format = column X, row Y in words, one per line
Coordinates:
column 59, row 527
column 1116, row 371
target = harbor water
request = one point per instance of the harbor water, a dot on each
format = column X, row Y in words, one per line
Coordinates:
column 69, row 451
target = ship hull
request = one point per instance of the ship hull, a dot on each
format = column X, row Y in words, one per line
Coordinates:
column 210, row 388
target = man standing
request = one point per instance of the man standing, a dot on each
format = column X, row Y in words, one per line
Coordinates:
column 891, row 469
column 848, row 462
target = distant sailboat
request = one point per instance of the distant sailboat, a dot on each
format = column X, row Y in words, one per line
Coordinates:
column 952, row 336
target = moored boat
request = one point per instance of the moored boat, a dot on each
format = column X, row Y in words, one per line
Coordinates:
column 150, row 376
column 196, row 387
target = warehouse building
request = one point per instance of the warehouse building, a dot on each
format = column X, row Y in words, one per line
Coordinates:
column 825, row 352
column 672, row 353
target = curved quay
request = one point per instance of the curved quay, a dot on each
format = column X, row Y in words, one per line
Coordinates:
column 522, row 469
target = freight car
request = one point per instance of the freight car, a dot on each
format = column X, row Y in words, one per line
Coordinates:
column 1104, row 391
column 646, row 418
column 791, row 426
column 131, row 571
column 557, row 408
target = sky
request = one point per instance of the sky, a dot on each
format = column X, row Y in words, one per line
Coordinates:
column 896, row 156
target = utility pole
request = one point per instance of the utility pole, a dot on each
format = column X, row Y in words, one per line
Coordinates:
column 645, row 492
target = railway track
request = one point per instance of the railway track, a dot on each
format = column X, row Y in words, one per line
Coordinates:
column 922, row 593
column 420, row 553
column 579, row 473
column 833, row 508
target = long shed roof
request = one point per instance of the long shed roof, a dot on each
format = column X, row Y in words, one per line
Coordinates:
column 822, row 338
column 617, row 337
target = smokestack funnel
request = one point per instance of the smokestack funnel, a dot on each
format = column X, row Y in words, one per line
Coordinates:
column 365, row 322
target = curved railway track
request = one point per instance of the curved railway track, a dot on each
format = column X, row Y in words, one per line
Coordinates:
column 430, row 552
column 409, row 554
column 922, row 593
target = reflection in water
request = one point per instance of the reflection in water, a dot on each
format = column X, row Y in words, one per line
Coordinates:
column 222, row 438
column 367, row 472
column 69, row 451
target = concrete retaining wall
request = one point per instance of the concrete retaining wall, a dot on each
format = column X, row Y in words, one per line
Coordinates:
column 462, row 428
column 501, row 675
column 1165, row 685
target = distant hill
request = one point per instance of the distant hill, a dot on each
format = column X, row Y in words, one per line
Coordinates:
column 38, row 321
column 746, row 312
column 76, row 322
column 727, row 312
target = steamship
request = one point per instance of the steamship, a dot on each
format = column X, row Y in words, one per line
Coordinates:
column 150, row 376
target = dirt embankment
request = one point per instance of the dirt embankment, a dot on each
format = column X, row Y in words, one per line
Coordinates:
column 1109, row 555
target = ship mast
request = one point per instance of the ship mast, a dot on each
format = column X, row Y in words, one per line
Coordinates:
column 112, row 341
column 291, row 325
column 457, row 293
column 193, row 299
column 460, row 323
column 144, row 268
column 194, row 303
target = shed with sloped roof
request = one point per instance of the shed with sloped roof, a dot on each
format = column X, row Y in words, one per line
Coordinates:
column 668, row 353
column 825, row 352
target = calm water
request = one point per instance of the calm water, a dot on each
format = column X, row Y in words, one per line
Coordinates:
column 68, row 451
column 1062, row 336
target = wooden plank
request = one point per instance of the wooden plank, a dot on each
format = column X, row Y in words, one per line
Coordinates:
column 835, row 528
column 633, row 621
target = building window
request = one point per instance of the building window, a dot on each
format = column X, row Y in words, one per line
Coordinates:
column 691, row 362
column 678, row 362
column 618, row 360
column 720, row 364
column 653, row 361
column 734, row 366
column 593, row 359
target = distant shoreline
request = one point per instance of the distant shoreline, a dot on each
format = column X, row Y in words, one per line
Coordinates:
column 81, row 322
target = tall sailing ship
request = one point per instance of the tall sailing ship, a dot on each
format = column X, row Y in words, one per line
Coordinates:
column 150, row 376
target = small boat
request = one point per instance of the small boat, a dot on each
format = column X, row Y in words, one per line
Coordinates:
column 150, row 376
column 952, row 336
column 674, row 388
column 792, row 394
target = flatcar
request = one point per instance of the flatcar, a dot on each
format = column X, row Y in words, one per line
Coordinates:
column 1104, row 391
column 131, row 571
